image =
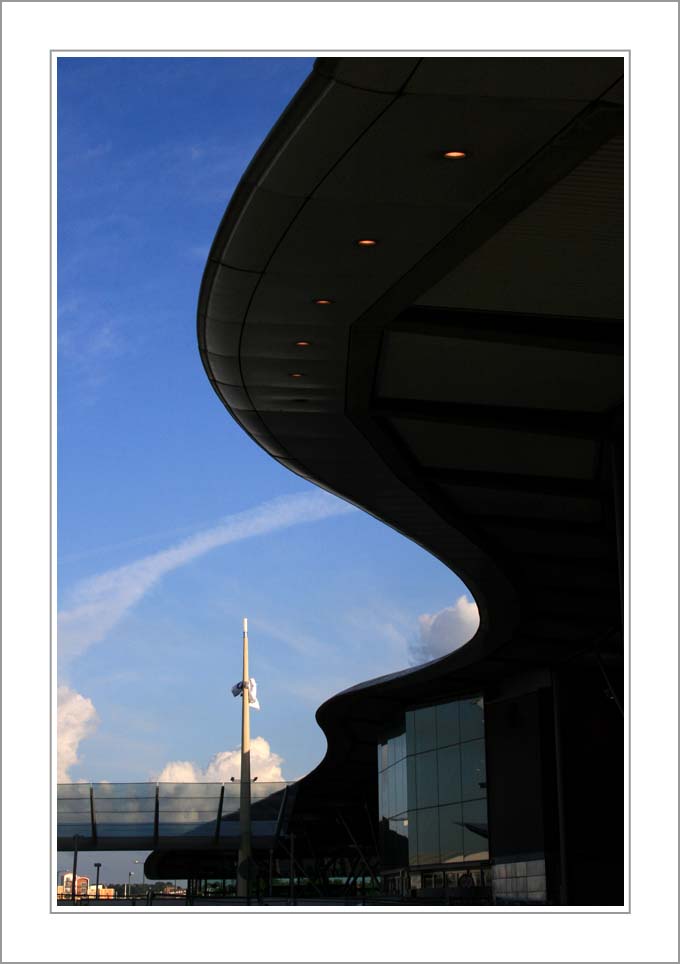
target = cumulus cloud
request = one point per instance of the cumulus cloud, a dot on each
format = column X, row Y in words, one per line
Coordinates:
column 264, row 764
column 76, row 719
column 97, row 604
column 444, row 631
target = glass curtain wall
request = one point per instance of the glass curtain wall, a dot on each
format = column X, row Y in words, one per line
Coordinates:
column 432, row 787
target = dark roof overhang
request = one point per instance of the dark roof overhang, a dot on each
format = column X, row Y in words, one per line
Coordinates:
column 465, row 385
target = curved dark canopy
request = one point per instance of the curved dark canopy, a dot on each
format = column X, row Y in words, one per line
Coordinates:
column 462, row 378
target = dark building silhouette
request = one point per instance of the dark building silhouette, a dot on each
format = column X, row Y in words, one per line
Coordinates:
column 462, row 380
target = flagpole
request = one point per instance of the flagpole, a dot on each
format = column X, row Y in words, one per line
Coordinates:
column 244, row 853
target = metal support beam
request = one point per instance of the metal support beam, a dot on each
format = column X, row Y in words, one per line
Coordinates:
column 514, row 482
column 360, row 851
column 565, row 424
column 609, row 683
column 293, row 864
column 372, row 829
column 561, row 806
column 156, row 818
column 617, row 489
column 538, row 524
column 220, row 806
column 352, row 874
column 93, row 816
column 592, row 335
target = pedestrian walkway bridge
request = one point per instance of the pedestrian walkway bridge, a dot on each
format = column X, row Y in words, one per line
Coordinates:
column 146, row 816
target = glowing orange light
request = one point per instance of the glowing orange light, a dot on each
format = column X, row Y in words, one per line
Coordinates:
column 323, row 301
column 455, row 154
column 296, row 374
column 367, row 242
column 303, row 344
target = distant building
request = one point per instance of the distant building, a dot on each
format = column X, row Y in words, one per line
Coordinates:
column 82, row 885
column 83, row 888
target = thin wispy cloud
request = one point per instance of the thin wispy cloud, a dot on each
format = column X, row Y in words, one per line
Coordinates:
column 97, row 604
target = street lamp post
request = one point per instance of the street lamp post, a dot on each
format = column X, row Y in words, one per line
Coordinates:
column 131, row 874
column 74, row 873
column 96, row 886
column 142, row 863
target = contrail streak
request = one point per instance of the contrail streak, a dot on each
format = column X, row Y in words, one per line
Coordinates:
column 97, row 604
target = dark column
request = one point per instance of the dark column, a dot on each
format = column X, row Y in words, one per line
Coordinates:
column 591, row 739
column 522, row 792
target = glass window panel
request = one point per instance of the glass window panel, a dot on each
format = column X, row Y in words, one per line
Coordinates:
column 400, row 802
column 73, row 791
column 382, row 756
column 262, row 791
column 413, row 837
column 471, row 719
column 65, row 807
column 475, row 830
column 395, row 843
column 126, row 790
column 69, row 829
column 448, row 725
column 412, row 796
column 121, row 808
column 390, row 791
column 382, row 795
column 426, row 779
column 473, row 770
column 400, row 747
column 188, row 804
column 448, row 767
column 428, row 836
column 451, row 832
column 425, row 729
column 230, row 805
column 178, row 791
column 410, row 732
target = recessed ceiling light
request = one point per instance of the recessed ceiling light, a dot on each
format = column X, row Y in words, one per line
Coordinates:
column 303, row 344
column 455, row 155
column 296, row 374
column 367, row 242
column 323, row 301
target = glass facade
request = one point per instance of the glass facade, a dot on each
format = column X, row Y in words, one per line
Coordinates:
column 432, row 787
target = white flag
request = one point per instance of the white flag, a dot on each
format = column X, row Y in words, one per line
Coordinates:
column 252, row 694
column 237, row 689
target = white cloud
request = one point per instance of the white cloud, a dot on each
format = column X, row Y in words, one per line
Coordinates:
column 264, row 764
column 98, row 603
column 76, row 719
column 445, row 631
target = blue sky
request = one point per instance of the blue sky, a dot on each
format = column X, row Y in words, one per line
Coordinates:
column 172, row 523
